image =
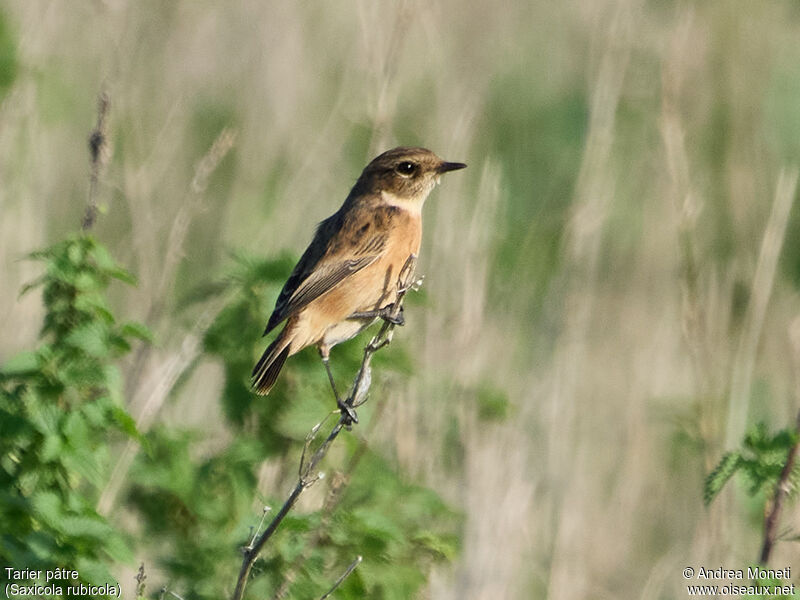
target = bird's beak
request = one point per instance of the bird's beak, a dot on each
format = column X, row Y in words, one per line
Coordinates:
column 448, row 166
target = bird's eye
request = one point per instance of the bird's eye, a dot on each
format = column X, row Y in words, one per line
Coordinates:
column 406, row 168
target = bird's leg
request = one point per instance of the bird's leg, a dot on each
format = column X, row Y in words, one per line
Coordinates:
column 348, row 411
column 387, row 313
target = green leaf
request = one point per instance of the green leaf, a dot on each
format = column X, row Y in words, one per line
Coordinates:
column 445, row 547
column 51, row 448
column 725, row 469
column 126, row 423
column 24, row 363
column 92, row 338
column 137, row 330
column 86, row 526
column 48, row 508
column 31, row 286
column 93, row 571
column 122, row 275
column 75, row 430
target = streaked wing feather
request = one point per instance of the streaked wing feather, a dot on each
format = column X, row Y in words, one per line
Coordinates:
column 324, row 279
column 317, row 273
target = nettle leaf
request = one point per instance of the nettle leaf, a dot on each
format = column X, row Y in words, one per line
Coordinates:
column 92, row 338
column 94, row 306
column 716, row 480
column 75, row 429
column 47, row 507
column 440, row 546
column 136, row 330
column 88, row 281
column 92, row 571
column 24, row 363
column 86, row 526
column 58, row 407
column 760, row 461
column 126, row 423
column 44, row 417
column 50, row 448
column 31, row 286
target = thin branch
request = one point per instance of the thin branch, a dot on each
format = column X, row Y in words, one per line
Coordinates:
column 357, row 397
column 781, row 490
column 337, row 484
column 165, row 591
column 98, row 148
column 140, row 577
column 344, row 576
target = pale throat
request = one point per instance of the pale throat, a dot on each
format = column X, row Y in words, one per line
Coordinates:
column 414, row 207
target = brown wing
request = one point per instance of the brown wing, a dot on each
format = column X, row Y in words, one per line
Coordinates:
column 324, row 265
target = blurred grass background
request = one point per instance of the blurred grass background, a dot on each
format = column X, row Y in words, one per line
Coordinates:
column 593, row 334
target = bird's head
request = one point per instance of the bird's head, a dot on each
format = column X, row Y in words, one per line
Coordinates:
column 405, row 175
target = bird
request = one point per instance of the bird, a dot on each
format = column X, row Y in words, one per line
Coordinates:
column 347, row 277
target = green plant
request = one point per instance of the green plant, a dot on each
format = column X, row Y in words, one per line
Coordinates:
column 760, row 462
column 61, row 407
column 767, row 462
column 196, row 505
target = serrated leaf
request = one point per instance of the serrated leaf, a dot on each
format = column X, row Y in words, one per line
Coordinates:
column 86, row 281
column 23, row 363
column 94, row 305
column 50, row 448
column 118, row 549
column 31, row 286
column 446, row 547
column 91, row 338
column 86, row 526
column 122, row 275
column 137, row 330
column 93, row 571
column 101, row 256
column 47, row 507
column 725, row 469
column 75, row 429
column 126, row 422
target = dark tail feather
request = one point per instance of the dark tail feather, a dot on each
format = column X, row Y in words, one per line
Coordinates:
column 269, row 365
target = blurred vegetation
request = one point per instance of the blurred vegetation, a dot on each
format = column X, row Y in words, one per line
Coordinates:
column 760, row 461
column 59, row 403
column 565, row 381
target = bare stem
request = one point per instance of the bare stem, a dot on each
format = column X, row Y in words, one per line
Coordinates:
column 98, row 148
column 344, row 576
column 357, row 397
column 781, row 489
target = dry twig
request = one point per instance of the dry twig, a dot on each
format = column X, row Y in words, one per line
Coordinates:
column 357, row 397
column 344, row 576
column 781, row 489
column 98, row 148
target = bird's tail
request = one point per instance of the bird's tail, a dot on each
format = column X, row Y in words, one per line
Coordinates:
column 265, row 373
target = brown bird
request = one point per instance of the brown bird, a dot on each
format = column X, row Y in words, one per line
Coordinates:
column 347, row 277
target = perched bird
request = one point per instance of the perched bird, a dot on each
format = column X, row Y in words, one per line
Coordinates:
column 347, row 277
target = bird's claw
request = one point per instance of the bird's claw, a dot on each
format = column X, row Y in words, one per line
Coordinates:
column 388, row 314
column 349, row 415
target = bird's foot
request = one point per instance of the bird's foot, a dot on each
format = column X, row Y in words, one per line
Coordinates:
column 389, row 314
column 348, row 413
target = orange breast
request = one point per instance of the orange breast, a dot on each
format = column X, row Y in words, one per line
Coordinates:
column 372, row 288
